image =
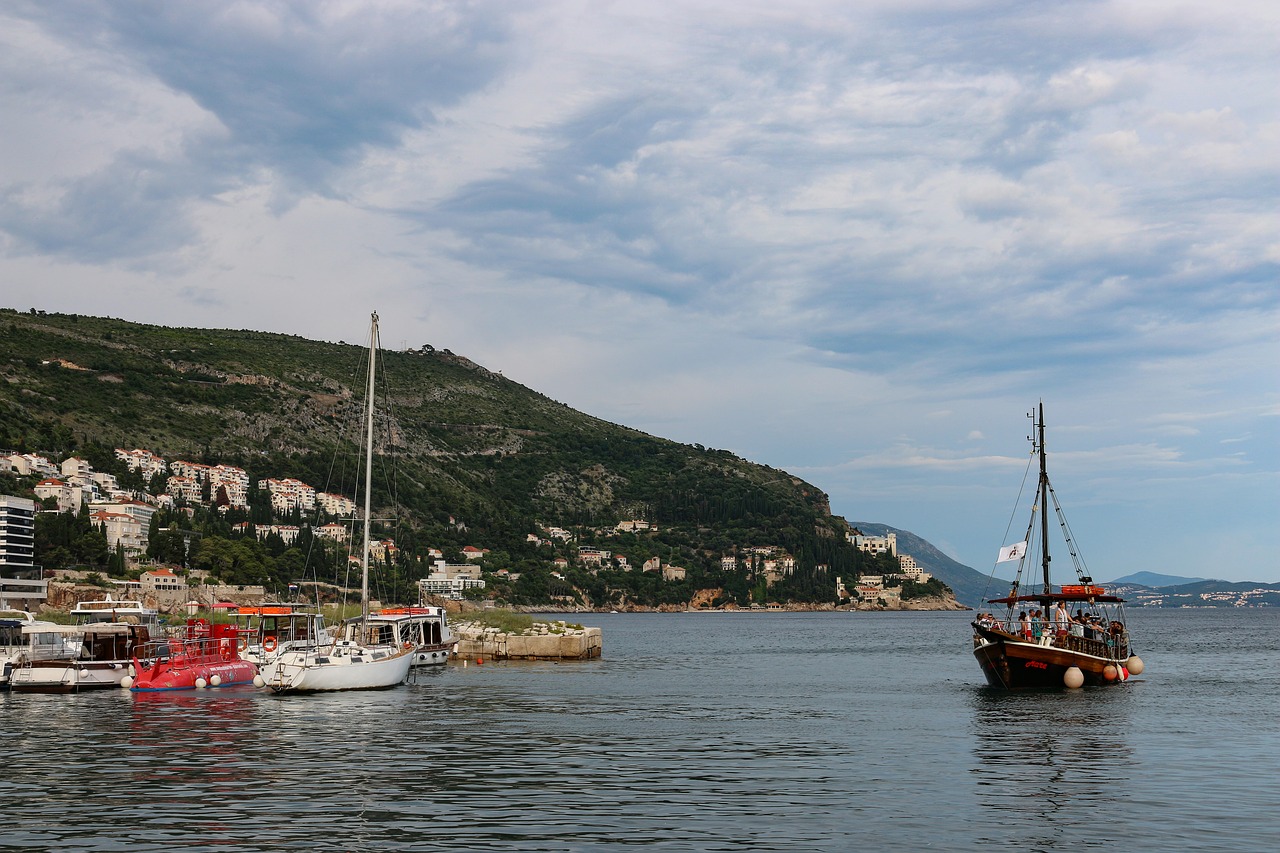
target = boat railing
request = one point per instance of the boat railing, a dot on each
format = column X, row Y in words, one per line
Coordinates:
column 1114, row 646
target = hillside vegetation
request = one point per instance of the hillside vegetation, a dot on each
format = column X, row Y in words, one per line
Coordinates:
column 464, row 455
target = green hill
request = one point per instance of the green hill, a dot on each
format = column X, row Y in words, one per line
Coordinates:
column 479, row 459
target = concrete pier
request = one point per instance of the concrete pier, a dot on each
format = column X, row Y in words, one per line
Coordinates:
column 544, row 641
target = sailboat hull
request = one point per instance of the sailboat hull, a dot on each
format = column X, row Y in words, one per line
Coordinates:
column 313, row 672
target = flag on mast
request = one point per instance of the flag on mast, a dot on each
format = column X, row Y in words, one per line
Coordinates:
column 1012, row 552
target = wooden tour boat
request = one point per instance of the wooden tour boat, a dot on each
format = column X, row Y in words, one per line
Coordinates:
column 1081, row 637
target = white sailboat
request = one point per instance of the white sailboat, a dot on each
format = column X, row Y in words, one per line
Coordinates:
column 356, row 660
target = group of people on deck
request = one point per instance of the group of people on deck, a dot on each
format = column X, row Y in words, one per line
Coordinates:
column 1034, row 624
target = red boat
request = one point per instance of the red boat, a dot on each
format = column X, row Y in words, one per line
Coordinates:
column 205, row 656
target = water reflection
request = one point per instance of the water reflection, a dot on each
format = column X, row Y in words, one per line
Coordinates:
column 1053, row 762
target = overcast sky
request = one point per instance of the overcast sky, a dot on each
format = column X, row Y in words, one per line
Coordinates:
column 854, row 240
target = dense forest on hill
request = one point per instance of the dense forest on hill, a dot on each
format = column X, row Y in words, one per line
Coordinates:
column 464, row 457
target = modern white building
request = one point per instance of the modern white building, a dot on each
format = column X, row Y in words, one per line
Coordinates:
column 21, row 580
column 874, row 544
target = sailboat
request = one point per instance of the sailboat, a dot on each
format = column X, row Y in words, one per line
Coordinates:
column 359, row 660
column 1080, row 637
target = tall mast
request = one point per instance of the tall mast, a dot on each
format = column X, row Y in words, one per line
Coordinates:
column 368, row 470
column 1044, row 502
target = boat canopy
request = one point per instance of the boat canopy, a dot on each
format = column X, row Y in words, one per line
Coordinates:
column 51, row 628
column 1058, row 596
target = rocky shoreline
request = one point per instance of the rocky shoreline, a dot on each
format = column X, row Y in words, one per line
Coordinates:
column 947, row 603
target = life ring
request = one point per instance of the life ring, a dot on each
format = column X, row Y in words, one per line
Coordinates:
column 407, row 645
column 269, row 644
column 244, row 643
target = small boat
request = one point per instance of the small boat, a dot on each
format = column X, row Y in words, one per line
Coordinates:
column 356, row 661
column 269, row 630
column 206, row 655
column 101, row 659
column 110, row 610
column 23, row 637
column 423, row 629
column 1059, row 648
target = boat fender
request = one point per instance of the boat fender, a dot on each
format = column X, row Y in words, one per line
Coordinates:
column 201, row 684
column 1135, row 665
column 1073, row 677
column 215, row 680
column 269, row 644
column 1110, row 673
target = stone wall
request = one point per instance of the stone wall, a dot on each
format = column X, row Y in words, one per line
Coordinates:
column 543, row 641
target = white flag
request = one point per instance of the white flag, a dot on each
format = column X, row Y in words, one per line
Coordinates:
column 1012, row 552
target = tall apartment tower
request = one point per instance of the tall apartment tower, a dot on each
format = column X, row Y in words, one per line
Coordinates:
column 21, row 583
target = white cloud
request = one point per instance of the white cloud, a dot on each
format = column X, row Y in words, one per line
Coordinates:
column 858, row 241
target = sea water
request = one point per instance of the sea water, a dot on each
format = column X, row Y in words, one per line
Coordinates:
column 715, row 732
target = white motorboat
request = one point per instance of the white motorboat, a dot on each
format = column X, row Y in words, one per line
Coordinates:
column 423, row 629
column 101, row 659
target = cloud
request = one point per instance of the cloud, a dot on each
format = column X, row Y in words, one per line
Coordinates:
column 858, row 240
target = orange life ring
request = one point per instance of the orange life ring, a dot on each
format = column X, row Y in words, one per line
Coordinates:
column 269, row 644
column 244, row 643
column 407, row 645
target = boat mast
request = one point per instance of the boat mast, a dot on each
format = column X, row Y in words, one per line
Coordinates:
column 1044, row 503
column 368, row 470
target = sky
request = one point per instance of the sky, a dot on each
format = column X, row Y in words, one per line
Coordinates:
column 854, row 241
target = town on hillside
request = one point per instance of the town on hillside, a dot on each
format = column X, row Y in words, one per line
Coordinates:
column 146, row 538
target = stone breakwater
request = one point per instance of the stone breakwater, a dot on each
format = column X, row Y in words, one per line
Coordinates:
column 542, row 641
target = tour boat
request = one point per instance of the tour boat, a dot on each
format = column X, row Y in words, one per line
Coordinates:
column 1088, row 642
column 206, row 655
column 23, row 637
column 110, row 610
column 102, row 659
column 360, row 662
column 269, row 630
column 423, row 629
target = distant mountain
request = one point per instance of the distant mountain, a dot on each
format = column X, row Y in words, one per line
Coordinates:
column 1210, row 593
column 969, row 585
column 1155, row 580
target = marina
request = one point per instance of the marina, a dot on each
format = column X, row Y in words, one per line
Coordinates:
column 769, row 731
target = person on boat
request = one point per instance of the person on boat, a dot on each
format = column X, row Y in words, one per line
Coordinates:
column 1061, row 619
column 1024, row 623
column 1037, row 624
column 1077, row 624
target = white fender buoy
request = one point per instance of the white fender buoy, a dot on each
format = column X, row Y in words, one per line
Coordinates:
column 126, row 682
column 1135, row 665
column 201, row 684
column 258, row 681
column 1073, row 677
column 131, row 670
column 215, row 680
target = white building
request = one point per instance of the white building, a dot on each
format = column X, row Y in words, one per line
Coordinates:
column 21, row 581
column 336, row 505
column 451, row 581
column 142, row 460
column 28, row 464
column 874, row 544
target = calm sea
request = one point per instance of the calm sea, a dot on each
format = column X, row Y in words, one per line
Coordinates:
column 715, row 732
